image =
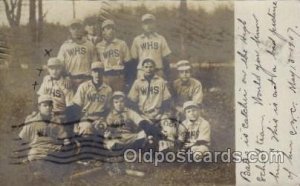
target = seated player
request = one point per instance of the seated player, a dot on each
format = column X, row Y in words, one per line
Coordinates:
column 124, row 125
column 152, row 97
column 150, row 92
column 92, row 102
column 185, row 88
column 194, row 132
column 43, row 131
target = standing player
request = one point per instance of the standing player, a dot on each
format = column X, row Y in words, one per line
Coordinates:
column 77, row 54
column 92, row 34
column 150, row 45
column 114, row 53
column 92, row 99
column 186, row 88
column 194, row 132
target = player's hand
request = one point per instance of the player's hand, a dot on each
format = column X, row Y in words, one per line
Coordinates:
column 188, row 145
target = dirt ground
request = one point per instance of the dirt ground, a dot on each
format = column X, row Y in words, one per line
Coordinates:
column 18, row 100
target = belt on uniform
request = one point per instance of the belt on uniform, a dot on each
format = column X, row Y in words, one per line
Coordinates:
column 80, row 76
column 114, row 73
column 58, row 112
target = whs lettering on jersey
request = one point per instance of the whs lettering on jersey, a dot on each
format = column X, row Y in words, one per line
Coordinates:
column 96, row 97
column 54, row 92
column 150, row 90
column 151, row 45
column 77, row 51
column 111, row 53
column 194, row 134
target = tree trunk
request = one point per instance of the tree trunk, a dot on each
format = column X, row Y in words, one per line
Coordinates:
column 32, row 20
column 40, row 21
column 13, row 12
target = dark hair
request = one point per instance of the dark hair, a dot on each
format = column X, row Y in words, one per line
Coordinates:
column 148, row 60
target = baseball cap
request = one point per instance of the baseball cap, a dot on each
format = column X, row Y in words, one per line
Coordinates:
column 183, row 65
column 97, row 65
column 44, row 98
column 75, row 21
column 148, row 60
column 108, row 22
column 54, row 62
column 189, row 104
column 148, row 17
column 118, row 94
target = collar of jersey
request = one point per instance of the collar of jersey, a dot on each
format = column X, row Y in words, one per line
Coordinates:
column 116, row 112
column 198, row 121
column 113, row 41
column 153, row 34
column 99, row 88
column 154, row 77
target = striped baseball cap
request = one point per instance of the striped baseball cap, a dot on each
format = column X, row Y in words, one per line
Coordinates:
column 183, row 65
column 53, row 61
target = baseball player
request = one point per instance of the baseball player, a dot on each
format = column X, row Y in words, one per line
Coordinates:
column 150, row 45
column 55, row 85
column 123, row 125
column 92, row 98
column 150, row 92
column 114, row 53
column 194, row 132
column 92, row 34
column 77, row 54
column 42, row 131
column 186, row 88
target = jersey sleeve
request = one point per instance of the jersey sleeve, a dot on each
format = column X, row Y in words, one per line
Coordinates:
column 165, row 50
column 198, row 94
column 27, row 133
column 135, row 117
column 126, row 52
column 94, row 55
column 78, row 98
column 134, row 49
column 61, row 53
column 166, row 92
column 133, row 94
column 204, row 132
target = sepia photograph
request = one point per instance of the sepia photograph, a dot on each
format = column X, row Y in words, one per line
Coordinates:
column 117, row 92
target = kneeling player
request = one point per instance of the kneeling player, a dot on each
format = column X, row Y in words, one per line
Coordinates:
column 194, row 132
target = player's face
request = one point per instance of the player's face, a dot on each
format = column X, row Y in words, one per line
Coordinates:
column 149, row 68
column 76, row 31
column 91, row 29
column 185, row 75
column 108, row 32
column 55, row 71
column 148, row 26
column 45, row 108
column 97, row 76
column 119, row 104
column 192, row 113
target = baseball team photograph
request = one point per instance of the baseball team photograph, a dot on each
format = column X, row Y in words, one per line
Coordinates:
column 89, row 88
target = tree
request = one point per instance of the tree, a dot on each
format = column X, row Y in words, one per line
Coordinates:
column 13, row 12
column 32, row 19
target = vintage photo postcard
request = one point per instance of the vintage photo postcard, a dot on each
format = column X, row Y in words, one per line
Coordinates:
column 154, row 92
